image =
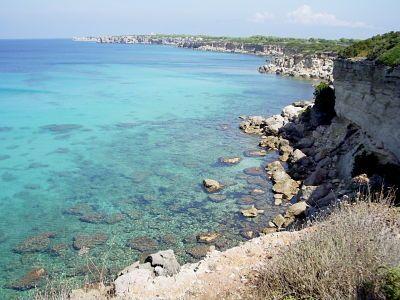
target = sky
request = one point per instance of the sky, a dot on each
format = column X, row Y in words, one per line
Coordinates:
column 289, row 18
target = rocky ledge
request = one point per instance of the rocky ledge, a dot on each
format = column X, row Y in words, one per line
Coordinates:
column 160, row 277
column 309, row 66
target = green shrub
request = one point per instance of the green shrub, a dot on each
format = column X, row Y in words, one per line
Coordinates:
column 391, row 284
column 384, row 49
column 325, row 102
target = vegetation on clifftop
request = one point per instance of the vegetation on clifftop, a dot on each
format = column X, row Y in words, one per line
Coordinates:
column 353, row 254
column 384, row 49
column 311, row 45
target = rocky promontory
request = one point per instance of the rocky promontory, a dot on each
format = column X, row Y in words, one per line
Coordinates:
column 290, row 57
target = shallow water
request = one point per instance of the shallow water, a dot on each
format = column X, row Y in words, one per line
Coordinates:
column 124, row 135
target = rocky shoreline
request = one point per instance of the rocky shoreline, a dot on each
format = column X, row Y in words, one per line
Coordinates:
column 284, row 60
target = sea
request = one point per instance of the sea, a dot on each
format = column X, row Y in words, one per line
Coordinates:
column 103, row 150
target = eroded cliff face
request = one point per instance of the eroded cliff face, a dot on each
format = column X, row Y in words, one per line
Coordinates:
column 368, row 95
column 313, row 66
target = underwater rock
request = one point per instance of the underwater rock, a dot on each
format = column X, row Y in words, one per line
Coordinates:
column 89, row 241
column 257, row 181
column 37, row 243
column 211, row 185
column 6, row 177
column 37, row 166
column 142, row 244
column 255, row 153
column 79, row 209
column 198, row 251
column 4, row 157
column 207, row 237
column 5, row 129
column 60, row 128
column 94, row 218
column 254, row 171
column 229, row 160
column 217, row 198
column 59, row 249
column 30, row 280
column 114, row 218
column 246, row 200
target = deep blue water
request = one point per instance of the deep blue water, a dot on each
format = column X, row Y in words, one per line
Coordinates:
column 116, row 139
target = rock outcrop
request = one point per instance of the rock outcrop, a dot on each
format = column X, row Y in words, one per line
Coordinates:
column 368, row 95
column 311, row 66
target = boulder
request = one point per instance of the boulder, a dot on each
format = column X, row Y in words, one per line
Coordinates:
column 288, row 188
column 229, row 160
column 251, row 212
column 278, row 220
column 274, row 124
column 137, row 277
column 207, row 237
column 166, row 261
column 291, row 112
column 296, row 209
column 297, row 155
column 211, row 185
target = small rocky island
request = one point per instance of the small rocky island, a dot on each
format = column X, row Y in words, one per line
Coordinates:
column 332, row 149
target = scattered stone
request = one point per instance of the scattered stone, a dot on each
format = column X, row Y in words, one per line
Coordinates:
column 229, row 160
column 207, row 237
column 143, row 244
column 251, row 212
column 212, row 186
column 89, row 241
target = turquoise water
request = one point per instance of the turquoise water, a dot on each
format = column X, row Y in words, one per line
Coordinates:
column 123, row 135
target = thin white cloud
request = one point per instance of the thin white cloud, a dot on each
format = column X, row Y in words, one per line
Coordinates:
column 305, row 15
column 262, row 17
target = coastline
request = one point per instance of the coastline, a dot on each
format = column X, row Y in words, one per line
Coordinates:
column 321, row 165
column 281, row 60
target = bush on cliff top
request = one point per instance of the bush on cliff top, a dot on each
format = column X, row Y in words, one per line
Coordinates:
column 383, row 48
column 353, row 254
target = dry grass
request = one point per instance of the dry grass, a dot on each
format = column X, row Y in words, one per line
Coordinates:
column 344, row 258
